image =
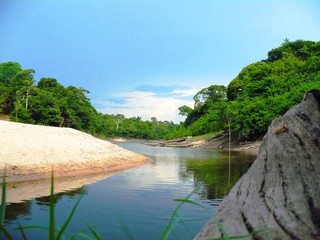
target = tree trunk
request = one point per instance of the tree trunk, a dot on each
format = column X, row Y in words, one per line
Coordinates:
column 27, row 98
column 279, row 196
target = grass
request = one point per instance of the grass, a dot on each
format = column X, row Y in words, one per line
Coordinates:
column 57, row 234
column 226, row 236
column 53, row 233
column 206, row 136
column 174, row 217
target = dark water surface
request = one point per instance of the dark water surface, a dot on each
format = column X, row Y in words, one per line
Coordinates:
column 139, row 202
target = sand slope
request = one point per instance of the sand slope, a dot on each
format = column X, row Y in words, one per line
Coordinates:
column 29, row 152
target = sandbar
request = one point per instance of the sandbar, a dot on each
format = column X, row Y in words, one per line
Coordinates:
column 30, row 152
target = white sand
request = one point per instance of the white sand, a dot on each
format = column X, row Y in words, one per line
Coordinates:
column 29, row 151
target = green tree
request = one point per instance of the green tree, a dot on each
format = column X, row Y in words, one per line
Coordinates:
column 7, row 71
column 185, row 110
column 22, row 83
column 7, row 90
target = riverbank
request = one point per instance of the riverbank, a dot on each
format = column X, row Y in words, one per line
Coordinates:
column 220, row 142
column 30, row 152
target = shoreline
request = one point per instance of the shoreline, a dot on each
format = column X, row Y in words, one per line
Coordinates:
column 219, row 143
column 250, row 148
column 29, row 152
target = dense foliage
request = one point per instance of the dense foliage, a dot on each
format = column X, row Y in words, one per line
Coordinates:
column 49, row 103
column 261, row 92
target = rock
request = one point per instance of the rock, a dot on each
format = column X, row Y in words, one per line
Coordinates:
column 279, row 196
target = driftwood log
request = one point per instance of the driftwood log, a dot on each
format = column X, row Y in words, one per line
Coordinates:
column 279, row 196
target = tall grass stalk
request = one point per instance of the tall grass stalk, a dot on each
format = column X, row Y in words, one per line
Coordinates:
column 51, row 208
column 3, row 207
column 3, row 199
column 175, row 216
column 52, row 228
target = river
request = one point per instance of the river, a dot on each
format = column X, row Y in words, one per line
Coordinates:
column 139, row 203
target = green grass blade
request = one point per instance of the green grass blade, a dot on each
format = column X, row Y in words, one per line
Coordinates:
column 94, row 232
column 72, row 238
column 87, row 236
column 225, row 235
column 3, row 205
column 6, row 233
column 222, row 230
column 68, row 219
column 3, row 199
column 51, row 209
column 191, row 202
column 125, row 227
column 22, row 231
column 168, row 229
column 31, row 227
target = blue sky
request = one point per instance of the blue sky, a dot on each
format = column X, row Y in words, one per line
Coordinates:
column 148, row 57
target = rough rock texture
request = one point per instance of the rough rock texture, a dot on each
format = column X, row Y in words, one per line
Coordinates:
column 280, row 193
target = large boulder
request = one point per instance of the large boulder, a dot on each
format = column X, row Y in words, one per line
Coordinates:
column 279, row 196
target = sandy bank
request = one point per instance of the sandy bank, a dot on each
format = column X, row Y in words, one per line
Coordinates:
column 250, row 147
column 29, row 151
column 220, row 142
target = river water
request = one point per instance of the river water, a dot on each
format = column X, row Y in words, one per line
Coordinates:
column 139, row 203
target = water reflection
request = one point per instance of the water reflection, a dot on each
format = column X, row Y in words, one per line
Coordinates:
column 21, row 191
column 216, row 176
column 17, row 210
column 73, row 193
column 144, row 196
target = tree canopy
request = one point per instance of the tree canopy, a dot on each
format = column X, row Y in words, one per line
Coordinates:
column 261, row 92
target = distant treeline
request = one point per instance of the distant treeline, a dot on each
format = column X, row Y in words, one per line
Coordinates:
column 261, row 92
column 49, row 103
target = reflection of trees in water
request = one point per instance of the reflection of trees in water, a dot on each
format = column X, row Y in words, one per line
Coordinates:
column 215, row 177
column 15, row 210
column 72, row 193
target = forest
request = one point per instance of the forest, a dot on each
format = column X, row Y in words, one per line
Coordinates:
column 261, row 92
column 49, row 103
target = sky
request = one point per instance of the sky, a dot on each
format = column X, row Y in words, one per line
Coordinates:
column 146, row 58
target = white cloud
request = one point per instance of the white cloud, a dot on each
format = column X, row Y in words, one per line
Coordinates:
column 147, row 105
column 156, row 100
column 185, row 92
